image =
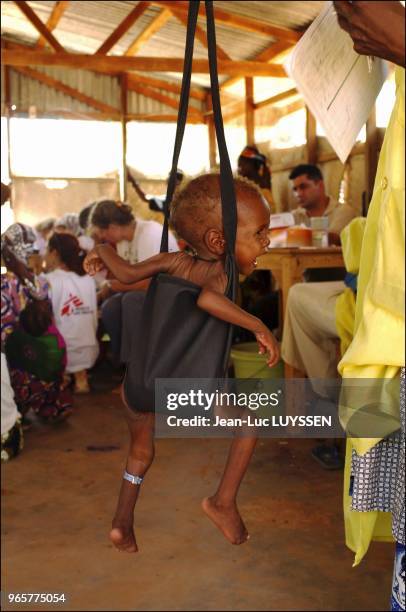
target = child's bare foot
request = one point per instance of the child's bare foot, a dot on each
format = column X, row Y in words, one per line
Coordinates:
column 227, row 519
column 123, row 538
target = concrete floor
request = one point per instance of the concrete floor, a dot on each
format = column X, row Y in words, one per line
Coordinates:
column 59, row 497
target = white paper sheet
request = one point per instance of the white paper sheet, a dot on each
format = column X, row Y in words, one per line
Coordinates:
column 334, row 80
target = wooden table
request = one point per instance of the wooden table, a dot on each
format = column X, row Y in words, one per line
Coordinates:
column 287, row 266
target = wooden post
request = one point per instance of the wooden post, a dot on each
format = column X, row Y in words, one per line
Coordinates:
column 212, row 132
column 371, row 155
column 7, row 97
column 311, row 138
column 249, row 110
column 123, row 181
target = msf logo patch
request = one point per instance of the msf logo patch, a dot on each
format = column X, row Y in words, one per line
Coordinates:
column 72, row 304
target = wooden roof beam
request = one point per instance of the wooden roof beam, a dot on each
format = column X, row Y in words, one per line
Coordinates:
column 274, row 114
column 122, row 28
column 69, row 91
column 107, row 63
column 161, row 118
column 94, row 115
column 149, row 92
column 288, row 109
column 235, row 107
column 57, row 12
column 197, row 94
column 200, row 34
column 278, row 98
column 156, row 24
column 236, row 21
column 265, row 56
column 39, row 25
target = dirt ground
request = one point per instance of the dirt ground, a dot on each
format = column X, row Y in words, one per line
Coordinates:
column 59, row 497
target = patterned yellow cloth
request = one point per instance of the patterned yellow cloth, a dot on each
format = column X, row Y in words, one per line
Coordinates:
column 377, row 349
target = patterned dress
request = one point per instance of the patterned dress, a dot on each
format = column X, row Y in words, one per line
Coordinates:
column 378, row 483
column 48, row 399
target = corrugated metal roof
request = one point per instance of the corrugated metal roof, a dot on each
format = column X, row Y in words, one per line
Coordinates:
column 85, row 25
column 28, row 92
column 291, row 15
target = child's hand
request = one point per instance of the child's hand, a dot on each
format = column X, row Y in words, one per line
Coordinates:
column 268, row 344
column 92, row 263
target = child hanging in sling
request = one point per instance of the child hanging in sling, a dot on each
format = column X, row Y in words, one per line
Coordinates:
column 196, row 215
column 225, row 222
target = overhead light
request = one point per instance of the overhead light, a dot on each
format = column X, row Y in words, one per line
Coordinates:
column 13, row 107
column 55, row 183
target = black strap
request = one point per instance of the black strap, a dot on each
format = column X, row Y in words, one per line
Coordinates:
column 182, row 114
column 228, row 199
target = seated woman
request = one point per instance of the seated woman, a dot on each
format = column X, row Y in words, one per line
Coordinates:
column 12, row 437
column 135, row 240
column 73, row 295
column 21, row 290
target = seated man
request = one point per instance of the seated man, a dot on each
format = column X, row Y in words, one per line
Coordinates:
column 317, row 316
column 310, row 191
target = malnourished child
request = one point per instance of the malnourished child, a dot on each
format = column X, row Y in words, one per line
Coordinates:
column 196, row 217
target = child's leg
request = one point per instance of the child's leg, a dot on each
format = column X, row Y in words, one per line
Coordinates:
column 140, row 457
column 221, row 508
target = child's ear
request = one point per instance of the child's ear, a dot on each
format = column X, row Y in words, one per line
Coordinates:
column 214, row 241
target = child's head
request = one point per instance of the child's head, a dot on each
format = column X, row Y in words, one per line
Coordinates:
column 36, row 317
column 196, row 217
column 64, row 251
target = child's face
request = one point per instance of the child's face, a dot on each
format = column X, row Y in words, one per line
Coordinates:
column 252, row 232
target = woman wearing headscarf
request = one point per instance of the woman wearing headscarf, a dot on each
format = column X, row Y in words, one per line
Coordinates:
column 34, row 348
column 70, row 224
column 254, row 166
column 12, row 438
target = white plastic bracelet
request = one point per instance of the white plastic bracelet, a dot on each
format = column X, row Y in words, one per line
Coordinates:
column 135, row 480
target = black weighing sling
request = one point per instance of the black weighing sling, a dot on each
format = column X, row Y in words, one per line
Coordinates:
column 175, row 338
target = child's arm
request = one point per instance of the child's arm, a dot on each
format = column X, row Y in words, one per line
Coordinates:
column 218, row 305
column 103, row 255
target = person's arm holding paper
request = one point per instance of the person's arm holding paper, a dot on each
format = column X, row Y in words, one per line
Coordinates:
column 376, row 28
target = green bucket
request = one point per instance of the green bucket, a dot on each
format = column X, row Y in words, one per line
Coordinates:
column 248, row 363
column 250, row 368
